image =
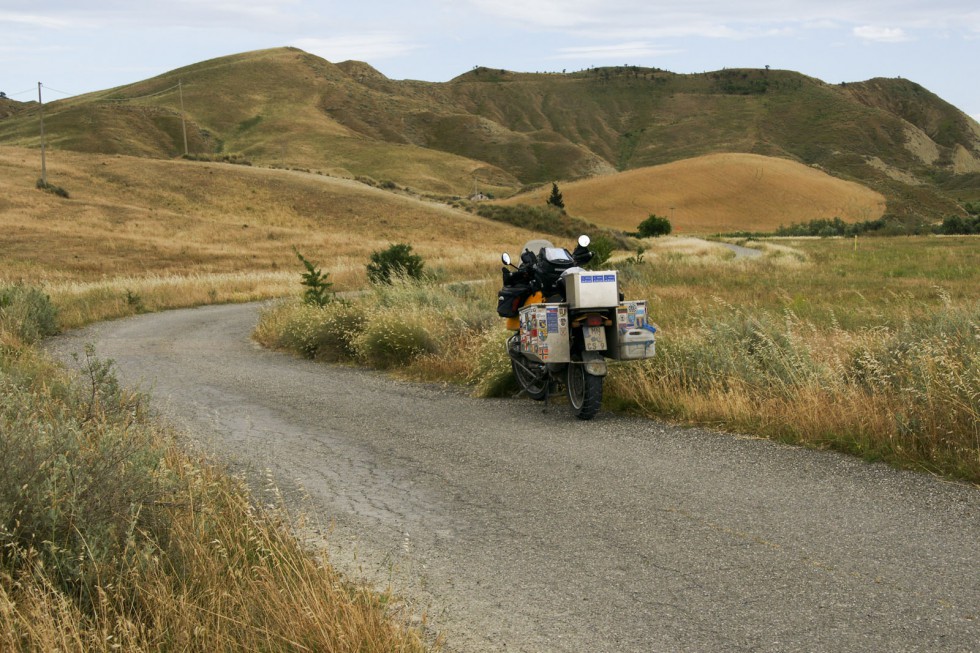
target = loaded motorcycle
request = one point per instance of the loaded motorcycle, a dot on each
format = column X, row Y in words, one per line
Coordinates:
column 567, row 322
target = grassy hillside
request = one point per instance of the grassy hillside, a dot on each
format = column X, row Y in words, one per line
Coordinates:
column 496, row 131
column 272, row 107
column 184, row 232
column 710, row 194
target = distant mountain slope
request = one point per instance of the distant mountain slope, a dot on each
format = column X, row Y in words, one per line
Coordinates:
column 496, row 131
column 715, row 193
column 9, row 107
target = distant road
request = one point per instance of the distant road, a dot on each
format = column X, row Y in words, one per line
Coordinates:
column 518, row 530
column 742, row 252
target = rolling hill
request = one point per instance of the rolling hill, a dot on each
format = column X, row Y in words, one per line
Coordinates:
column 501, row 132
column 708, row 194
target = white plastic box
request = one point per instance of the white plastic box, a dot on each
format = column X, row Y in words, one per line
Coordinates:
column 632, row 337
column 544, row 333
column 588, row 289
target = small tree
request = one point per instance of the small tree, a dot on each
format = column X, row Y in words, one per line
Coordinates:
column 602, row 248
column 556, row 199
column 317, row 291
column 396, row 261
column 654, row 226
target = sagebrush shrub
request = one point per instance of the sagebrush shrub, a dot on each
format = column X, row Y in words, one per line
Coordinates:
column 80, row 471
column 397, row 261
column 27, row 312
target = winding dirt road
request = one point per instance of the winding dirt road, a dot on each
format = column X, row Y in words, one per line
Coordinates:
column 518, row 530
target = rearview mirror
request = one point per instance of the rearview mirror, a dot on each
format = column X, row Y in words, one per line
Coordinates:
column 583, row 241
column 505, row 257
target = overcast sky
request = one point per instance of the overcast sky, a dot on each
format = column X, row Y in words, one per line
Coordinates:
column 76, row 46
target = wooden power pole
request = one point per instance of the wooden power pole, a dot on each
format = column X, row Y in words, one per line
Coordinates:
column 44, row 169
column 183, row 122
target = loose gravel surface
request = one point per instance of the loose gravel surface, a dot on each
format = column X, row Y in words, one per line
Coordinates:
column 518, row 529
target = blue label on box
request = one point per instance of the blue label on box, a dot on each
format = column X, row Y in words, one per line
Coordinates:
column 552, row 320
column 586, row 278
column 609, row 277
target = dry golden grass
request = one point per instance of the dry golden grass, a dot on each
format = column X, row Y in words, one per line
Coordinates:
column 214, row 232
column 716, row 193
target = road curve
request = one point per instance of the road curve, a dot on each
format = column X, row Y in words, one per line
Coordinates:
column 518, row 530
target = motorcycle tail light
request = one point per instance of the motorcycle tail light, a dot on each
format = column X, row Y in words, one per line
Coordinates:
column 594, row 320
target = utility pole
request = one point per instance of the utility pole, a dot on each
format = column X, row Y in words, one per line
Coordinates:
column 44, row 169
column 183, row 123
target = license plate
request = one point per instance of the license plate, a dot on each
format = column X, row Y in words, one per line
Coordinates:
column 595, row 338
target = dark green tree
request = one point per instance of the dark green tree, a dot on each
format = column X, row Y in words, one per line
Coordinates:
column 654, row 226
column 396, row 261
column 556, row 199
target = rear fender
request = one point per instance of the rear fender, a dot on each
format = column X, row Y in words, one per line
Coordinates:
column 595, row 363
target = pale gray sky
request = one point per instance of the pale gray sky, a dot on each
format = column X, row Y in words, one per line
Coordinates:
column 76, row 46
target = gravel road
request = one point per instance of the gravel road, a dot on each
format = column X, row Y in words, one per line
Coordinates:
column 520, row 530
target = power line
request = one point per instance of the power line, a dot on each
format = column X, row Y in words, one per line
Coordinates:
column 57, row 91
column 142, row 97
column 30, row 90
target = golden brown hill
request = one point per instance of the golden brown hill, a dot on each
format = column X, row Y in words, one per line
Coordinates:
column 137, row 217
column 716, row 193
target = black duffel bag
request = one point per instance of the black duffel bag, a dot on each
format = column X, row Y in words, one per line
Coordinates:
column 511, row 298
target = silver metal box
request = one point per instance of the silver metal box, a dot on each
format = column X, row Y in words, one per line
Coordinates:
column 588, row 289
column 544, row 333
column 632, row 337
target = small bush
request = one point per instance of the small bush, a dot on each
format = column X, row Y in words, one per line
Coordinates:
column 27, row 313
column 135, row 302
column 654, row 226
column 602, row 248
column 396, row 261
column 51, row 188
column 394, row 339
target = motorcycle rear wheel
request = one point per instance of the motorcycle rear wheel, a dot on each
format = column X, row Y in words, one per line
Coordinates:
column 584, row 391
column 536, row 387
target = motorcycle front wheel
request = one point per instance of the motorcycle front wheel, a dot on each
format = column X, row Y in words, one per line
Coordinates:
column 535, row 386
column 584, row 391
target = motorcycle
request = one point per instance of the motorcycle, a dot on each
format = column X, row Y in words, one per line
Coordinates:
column 567, row 322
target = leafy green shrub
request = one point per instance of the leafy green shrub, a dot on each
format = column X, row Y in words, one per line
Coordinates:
column 955, row 224
column 602, row 247
column 654, row 226
column 392, row 339
column 27, row 313
column 396, row 261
